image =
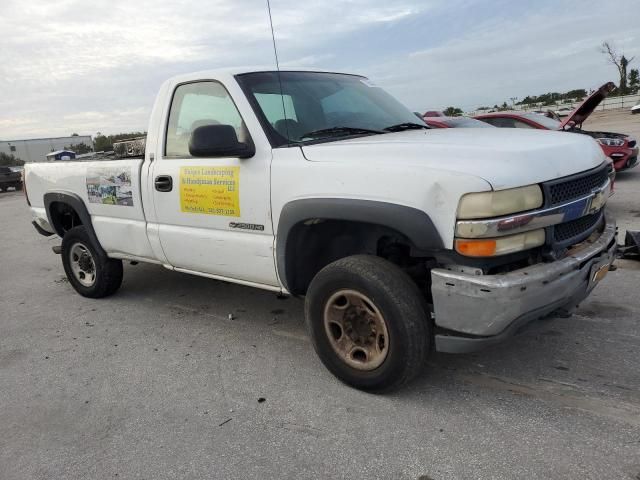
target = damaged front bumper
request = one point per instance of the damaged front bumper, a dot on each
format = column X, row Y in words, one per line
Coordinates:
column 477, row 311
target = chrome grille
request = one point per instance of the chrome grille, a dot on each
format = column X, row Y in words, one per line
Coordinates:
column 575, row 229
column 565, row 190
column 575, row 187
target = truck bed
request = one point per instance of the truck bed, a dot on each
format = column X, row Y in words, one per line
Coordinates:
column 112, row 193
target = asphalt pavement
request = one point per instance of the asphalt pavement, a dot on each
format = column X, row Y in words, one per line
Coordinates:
column 178, row 376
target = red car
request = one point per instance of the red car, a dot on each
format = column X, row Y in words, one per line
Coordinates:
column 454, row 122
column 433, row 113
column 620, row 148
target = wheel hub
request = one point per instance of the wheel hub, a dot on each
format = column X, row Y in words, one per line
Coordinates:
column 82, row 264
column 356, row 329
column 360, row 328
column 86, row 263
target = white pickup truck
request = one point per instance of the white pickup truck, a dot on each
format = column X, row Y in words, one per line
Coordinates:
column 402, row 239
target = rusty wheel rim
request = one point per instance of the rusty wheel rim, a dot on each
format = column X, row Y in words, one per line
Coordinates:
column 356, row 330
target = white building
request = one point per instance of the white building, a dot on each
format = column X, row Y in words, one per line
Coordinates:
column 36, row 150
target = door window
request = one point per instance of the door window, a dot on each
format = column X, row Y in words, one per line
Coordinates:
column 521, row 124
column 195, row 105
column 506, row 122
column 501, row 122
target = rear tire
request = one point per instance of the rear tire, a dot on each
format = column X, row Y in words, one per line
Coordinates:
column 18, row 187
column 368, row 323
column 91, row 273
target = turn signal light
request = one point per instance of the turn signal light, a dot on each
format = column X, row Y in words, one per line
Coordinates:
column 476, row 248
column 492, row 247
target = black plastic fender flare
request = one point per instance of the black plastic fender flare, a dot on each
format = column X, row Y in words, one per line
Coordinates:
column 415, row 224
column 75, row 202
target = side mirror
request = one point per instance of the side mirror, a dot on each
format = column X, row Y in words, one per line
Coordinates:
column 218, row 141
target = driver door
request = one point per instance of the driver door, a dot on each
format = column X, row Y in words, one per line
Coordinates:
column 213, row 214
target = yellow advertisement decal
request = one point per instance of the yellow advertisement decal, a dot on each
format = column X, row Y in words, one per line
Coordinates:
column 210, row 190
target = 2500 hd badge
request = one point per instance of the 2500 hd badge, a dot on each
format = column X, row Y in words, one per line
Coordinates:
column 246, row 226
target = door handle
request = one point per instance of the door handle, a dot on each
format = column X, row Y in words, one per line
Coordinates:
column 164, row 183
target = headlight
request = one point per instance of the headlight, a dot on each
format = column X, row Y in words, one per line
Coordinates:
column 503, row 202
column 492, row 247
column 611, row 142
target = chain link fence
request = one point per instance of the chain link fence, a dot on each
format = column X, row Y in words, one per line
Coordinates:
column 609, row 103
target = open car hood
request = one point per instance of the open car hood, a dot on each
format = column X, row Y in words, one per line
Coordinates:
column 587, row 107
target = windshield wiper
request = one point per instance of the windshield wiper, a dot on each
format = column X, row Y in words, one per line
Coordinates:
column 339, row 131
column 405, row 126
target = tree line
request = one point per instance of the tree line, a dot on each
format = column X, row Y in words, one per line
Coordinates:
column 552, row 98
column 104, row 143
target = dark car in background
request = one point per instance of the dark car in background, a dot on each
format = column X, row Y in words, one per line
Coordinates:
column 10, row 178
column 619, row 147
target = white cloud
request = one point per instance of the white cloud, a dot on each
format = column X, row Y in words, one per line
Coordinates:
column 70, row 66
column 545, row 51
column 66, row 60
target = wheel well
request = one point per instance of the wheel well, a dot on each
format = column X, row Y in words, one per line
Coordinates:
column 313, row 244
column 63, row 217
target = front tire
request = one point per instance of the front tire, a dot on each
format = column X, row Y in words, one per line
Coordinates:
column 91, row 273
column 368, row 323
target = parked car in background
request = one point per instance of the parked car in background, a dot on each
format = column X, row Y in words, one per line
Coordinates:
column 466, row 122
column 455, row 122
column 10, row 179
column 563, row 112
column 635, row 109
column 433, row 113
column 619, row 147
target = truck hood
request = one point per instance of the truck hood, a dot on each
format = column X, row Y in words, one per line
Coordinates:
column 586, row 108
column 506, row 158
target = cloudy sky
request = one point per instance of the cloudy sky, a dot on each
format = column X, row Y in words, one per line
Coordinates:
column 78, row 66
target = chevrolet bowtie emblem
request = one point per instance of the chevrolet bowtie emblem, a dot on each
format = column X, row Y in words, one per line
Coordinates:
column 597, row 202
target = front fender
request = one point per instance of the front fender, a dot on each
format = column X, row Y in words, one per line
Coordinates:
column 415, row 224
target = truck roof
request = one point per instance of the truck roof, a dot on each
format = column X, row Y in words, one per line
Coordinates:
column 230, row 72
